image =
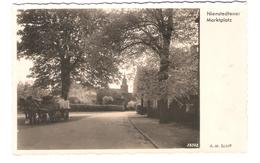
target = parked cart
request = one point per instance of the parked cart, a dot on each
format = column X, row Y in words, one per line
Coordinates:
column 48, row 109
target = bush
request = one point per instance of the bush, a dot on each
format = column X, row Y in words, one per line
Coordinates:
column 107, row 100
column 131, row 105
column 185, row 109
column 85, row 107
column 74, row 100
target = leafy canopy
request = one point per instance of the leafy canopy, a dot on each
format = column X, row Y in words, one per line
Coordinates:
column 66, row 41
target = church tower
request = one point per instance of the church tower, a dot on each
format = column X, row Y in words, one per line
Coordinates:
column 124, row 86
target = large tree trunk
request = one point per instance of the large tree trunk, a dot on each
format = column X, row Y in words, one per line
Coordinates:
column 163, row 76
column 65, row 80
column 166, row 30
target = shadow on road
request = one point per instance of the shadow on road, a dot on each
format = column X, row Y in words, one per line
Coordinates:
column 21, row 121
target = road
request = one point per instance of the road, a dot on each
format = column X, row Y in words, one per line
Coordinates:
column 93, row 130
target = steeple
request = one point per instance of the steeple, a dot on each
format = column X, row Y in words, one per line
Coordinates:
column 124, row 86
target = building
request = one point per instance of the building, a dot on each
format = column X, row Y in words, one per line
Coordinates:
column 85, row 95
column 119, row 95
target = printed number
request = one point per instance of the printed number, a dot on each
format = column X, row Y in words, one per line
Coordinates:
column 192, row 145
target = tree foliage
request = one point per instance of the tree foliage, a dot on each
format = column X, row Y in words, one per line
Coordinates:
column 62, row 43
column 25, row 89
column 183, row 75
column 177, row 55
column 146, row 83
column 154, row 31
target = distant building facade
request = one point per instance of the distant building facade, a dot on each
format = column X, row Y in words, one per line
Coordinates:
column 80, row 94
column 120, row 96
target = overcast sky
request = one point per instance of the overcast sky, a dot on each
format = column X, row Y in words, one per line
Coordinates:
column 22, row 70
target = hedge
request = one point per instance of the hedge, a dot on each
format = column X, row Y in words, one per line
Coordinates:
column 87, row 107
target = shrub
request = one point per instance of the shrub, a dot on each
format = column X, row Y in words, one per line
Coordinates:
column 107, row 100
column 74, row 100
column 184, row 109
column 131, row 105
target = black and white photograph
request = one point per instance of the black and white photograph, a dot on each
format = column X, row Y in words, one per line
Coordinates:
column 107, row 78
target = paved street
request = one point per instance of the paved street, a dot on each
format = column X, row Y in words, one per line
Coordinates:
column 104, row 130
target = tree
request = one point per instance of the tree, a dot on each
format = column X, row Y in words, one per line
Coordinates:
column 182, row 81
column 146, row 83
column 146, row 87
column 62, row 45
column 153, row 29
column 25, row 89
column 183, row 76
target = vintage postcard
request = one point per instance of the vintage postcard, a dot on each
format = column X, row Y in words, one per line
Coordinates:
column 130, row 77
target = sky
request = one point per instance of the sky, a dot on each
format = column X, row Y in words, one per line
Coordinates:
column 23, row 69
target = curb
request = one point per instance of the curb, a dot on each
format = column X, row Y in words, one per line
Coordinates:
column 144, row 135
